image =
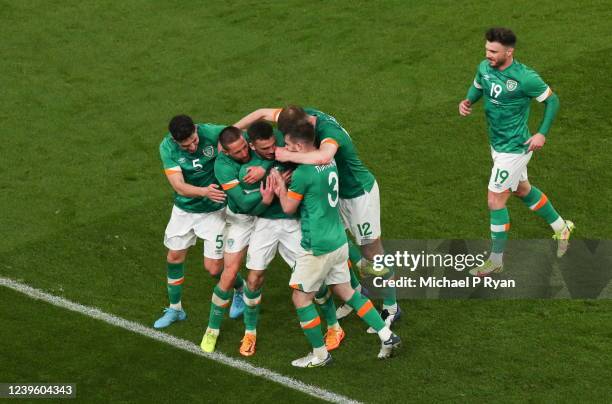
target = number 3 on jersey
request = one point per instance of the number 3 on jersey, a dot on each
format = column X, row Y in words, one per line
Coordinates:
column 332, row 196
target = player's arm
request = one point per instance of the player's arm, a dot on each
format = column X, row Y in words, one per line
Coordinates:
column 245, row 201
column 473, row 95
column 266, row 114
column 551, row 107
column 257, row 172
column 324, row 155
column 227, row 176
column 289, row 199
column 177, row 181
column 536, row 88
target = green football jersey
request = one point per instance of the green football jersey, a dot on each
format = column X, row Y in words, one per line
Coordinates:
column 197, row 168
column 507, row 99
column 317, row 188
column 355, row 178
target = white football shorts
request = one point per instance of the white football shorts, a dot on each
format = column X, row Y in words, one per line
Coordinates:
column 508, row 170
column 361, row 215
column 184, row 228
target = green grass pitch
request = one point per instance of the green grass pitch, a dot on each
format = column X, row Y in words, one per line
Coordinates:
column 88, row 89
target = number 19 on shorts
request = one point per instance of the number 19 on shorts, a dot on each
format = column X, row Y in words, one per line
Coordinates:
column 501, row 176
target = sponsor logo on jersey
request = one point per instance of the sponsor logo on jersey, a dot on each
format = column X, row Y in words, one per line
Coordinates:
column 511, row 85
column 485, row 76
column 182, row 160
column 208, row 151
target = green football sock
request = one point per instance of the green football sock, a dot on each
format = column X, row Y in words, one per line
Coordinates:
column 176, row 276
column 389, row 293
column 538, row 202
column 311, row 325
column 500, row 224
column 218, row 306
column 365, row 309
column 324, row 300
column 252, row 300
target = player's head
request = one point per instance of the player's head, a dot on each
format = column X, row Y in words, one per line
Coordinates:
column 183, row 132
column 234, row 145
column 291, row 116
column 500, row 46
column 301, row 138
column 262, row 139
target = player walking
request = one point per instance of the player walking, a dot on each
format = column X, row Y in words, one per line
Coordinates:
column 508, row 88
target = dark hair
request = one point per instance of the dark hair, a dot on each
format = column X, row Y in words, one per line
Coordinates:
column 229, row 135
column 302, row 133
column 504, row 36
column 290, row 117
column 260, row 130
column 181, row 127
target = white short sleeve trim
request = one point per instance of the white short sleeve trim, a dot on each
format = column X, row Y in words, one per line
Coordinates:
column 478, row 86
column 544, row 95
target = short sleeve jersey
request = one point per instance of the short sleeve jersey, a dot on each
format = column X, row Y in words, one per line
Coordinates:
column 197, row 168
column 507, row 98
column 317, row 189
column 355, row 178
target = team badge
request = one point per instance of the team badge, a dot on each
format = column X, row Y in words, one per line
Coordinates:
column 230, row 242
column 208, row 151
column 511, row 85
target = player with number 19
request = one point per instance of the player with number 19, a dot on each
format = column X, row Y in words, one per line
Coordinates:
column 508, row 87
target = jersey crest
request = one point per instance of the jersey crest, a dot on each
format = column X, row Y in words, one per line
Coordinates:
column 511, row 85
column 208, row 151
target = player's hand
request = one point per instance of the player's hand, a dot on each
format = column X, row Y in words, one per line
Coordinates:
column 254, row 174
column 267, row 191
column 279, row 183
column 286, row 176
column 213, row 193
column 282, row 154
column 536, row 142
column 465, row 107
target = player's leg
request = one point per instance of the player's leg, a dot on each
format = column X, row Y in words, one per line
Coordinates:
column 354, row 263
column 252, row 301
column 306, row 278
column 262, row 248
column 505, row 176
column 178, row 237
column 211, row 229
column 362, row 214
column 238, row 233
column 335, row 333
column 220, row 300
column 288, row 232
column 338, row 277
column 539, row 203
column 175, row 266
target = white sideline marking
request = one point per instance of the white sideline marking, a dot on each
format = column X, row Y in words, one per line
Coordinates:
column 175, row 342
